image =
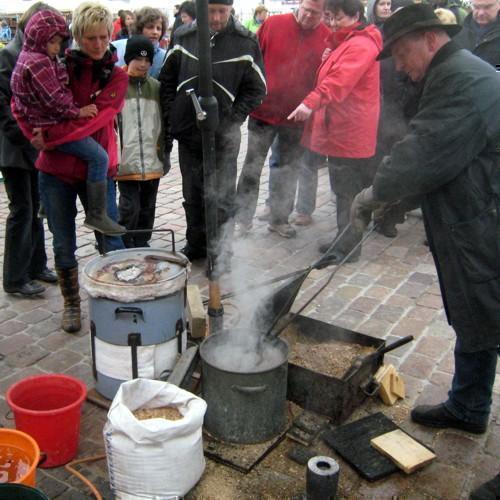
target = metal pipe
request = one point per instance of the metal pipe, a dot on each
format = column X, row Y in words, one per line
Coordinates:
column 208, row 126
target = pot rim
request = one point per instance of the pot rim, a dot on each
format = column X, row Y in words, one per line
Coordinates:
column 276, row 340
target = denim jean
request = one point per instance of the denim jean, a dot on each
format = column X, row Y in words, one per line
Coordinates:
column 24, row 254
column 282, row 192
column 93, row 153
column 59, row 200
column 308, row 182
column 470, row 396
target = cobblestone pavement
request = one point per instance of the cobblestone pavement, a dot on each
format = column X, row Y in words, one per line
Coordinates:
column 391, row 292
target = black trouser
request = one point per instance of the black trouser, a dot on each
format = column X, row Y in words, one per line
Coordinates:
column 137, row 205
column 350, row 176
column 282, row 195
column 24, row 254
column 227, row 147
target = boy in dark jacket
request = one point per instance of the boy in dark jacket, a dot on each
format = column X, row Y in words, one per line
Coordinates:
column 42, row 98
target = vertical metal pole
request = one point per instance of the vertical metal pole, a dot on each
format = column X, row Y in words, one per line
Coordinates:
column 208, row 127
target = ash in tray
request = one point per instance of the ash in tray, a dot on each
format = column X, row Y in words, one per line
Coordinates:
column 133, row 271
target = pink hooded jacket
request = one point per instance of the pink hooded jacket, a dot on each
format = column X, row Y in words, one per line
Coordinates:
column 39, row 83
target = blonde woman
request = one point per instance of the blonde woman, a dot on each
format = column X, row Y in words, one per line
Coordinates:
column 93, row 79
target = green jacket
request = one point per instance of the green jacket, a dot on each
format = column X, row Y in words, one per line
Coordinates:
column 451, row 158
column 141, row 132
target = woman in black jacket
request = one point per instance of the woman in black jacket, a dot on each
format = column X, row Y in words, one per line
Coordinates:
column 24, row 255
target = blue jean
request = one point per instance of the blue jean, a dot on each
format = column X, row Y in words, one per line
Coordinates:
column 59, row 200
column 470, row 396
column 308, row 182
column 93, row 153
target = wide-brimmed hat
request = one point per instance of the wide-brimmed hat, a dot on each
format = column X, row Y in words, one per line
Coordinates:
column 412, row 18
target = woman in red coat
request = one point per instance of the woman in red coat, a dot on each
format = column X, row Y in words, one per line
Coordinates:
column 343, row 109
column 94, row 78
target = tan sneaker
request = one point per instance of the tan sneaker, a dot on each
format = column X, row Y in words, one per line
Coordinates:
column 284, row 230
column 265, row 214
column 302, row 220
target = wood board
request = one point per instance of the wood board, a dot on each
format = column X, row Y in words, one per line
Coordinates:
column 408, row 454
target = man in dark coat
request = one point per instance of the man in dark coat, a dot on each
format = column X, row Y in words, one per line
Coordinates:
column 24, row 255
column 239, row 86
column 481, row 31
column 450, row 157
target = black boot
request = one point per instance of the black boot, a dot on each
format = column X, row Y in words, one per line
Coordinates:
column 97, row 217
column 487, row 491
column 68, row 282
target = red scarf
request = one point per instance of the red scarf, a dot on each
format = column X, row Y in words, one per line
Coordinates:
column 337, row 37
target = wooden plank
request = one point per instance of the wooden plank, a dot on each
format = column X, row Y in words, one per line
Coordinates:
column 408, row 454
column 195, row 312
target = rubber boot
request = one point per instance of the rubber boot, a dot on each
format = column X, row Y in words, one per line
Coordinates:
column 68, row 282
column 97, row 217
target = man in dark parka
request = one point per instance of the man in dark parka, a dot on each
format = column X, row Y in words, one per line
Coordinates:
column 450, row 157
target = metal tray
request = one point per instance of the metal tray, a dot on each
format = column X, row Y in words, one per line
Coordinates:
column 324, row 394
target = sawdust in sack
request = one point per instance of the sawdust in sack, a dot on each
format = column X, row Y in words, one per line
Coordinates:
column 157, row 457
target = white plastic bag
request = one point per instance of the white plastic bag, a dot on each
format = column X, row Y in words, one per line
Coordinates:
column 154, row 458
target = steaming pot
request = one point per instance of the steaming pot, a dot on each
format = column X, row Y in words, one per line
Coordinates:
column 137, row 314
column 245, row 403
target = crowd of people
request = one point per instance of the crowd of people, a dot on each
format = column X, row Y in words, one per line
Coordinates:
column 419, row 128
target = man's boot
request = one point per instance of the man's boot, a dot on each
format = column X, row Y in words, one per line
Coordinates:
column 97, row 217
column 68, row 282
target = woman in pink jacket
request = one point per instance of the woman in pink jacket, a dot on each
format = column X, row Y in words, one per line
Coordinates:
column 343, row 109
column 94, row 79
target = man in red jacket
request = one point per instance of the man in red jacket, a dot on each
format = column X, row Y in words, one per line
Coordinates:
column 292, row 45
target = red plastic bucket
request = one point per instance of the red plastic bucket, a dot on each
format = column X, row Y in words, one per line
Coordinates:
column 48, row 407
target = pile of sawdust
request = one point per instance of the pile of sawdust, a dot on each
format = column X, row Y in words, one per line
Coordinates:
column 166, row 412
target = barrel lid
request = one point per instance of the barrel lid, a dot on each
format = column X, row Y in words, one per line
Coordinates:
column 135, row 274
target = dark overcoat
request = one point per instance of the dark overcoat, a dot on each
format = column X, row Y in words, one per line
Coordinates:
column 451, row 157
column 15, row 149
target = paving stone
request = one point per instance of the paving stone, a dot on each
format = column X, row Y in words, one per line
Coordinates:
column 433, row 347
column 364, row 304
column 425, row 279
column 388, row 281
column 411, row 290
column 25, row 304
column 14, row 343
column 6, row 314
column 34, row 316
column 456, row 448
column 399, row 301
column 430, row 301
column 388, row 313
column 375, row 328
column 421, row 313
column 441, row 480
column 60, row 361
column 378, row 292
column 348, row 292
column 407, row 326
column 418, row 366
column 493, row 445
column 56, row 340
column 52, row 487
column 9, row 328
column 6, row 382
column 27, row 356
column 441, row 379
column 447, row 364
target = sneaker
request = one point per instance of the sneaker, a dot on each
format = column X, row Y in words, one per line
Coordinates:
column 284, row 230
column 265, row 214
column 439, row 416
column 302, row 220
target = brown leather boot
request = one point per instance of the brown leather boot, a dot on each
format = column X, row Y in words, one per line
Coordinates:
column 68, row 282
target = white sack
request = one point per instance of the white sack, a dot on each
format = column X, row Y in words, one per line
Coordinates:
column 154, row 458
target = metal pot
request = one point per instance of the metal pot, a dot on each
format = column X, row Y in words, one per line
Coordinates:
column 244, row 382
column 137, row 319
